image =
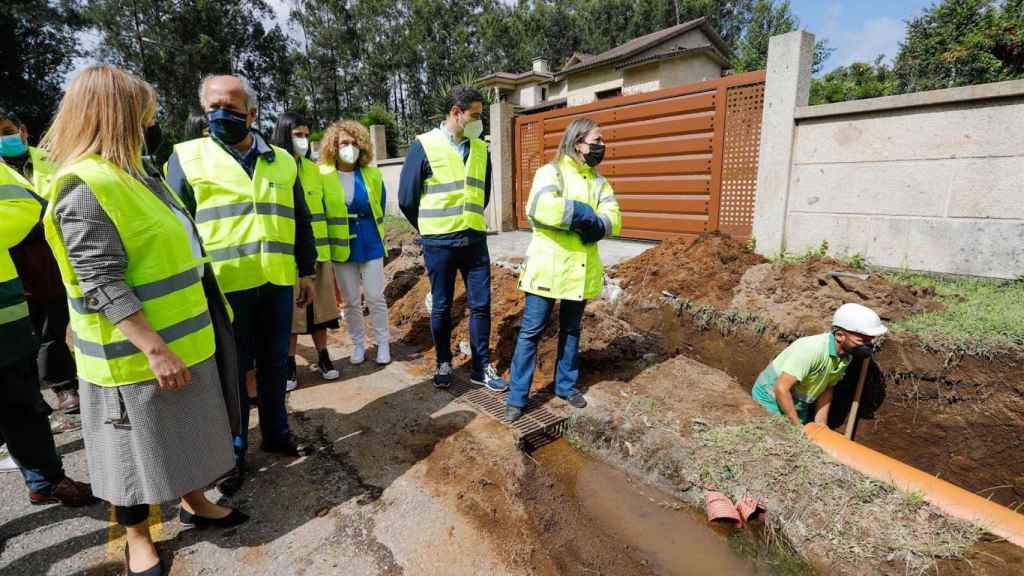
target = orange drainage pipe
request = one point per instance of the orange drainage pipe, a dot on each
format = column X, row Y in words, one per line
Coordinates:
column 951, row 499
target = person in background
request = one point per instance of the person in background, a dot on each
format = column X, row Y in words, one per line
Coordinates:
column 354, row 195
column 445, row 186
column 291, row 133
column 23, row 413
column 801, row 378
column 570, row 208
column 196, row 126
column 155, row 421
column 249, row 206
column 47, row 302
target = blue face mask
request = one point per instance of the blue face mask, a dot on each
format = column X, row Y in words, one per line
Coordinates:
column 227, row 126
column 11, row 146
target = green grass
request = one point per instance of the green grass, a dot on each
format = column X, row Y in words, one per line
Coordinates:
column 396, row 224
column 981, row 316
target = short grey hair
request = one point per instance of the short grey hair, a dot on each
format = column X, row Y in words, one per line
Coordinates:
column 574, row 134
column 250, row 94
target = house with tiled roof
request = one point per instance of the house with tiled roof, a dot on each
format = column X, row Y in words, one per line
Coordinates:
column 682, row 54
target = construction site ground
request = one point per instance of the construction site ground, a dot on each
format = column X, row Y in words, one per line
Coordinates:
column 408, row 480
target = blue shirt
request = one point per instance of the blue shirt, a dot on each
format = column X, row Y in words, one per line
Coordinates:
column 367, row 244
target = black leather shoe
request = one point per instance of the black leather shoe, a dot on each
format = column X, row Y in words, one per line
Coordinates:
column 513, row 413
column 156, row 570
column 232, row 482
column 576, row 400
column 235, row 518
column 293, row 446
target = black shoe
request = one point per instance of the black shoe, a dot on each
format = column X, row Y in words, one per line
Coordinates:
column 292, row 446
column 443, row 375
column 155, row 570
column 235, row 518
column 576, row 400
column 513, row 413
column 327, row 369
column 232, row 482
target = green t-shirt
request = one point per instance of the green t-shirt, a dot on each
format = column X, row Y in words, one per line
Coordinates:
column 812, row 360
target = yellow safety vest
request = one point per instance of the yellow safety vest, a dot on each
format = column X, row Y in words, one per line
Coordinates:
column 247, row 224
column 42, row 172
column 162, row 272
column 19, row 210
column 313, row 187
column 558, row 264
column 339, row 221
column 374, row 181
column 453, row 197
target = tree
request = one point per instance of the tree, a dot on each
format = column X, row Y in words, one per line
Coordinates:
column 854, row 82
column 36, row 52
column 767, row 19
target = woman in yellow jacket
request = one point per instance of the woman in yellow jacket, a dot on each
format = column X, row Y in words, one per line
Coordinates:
column 571, row 207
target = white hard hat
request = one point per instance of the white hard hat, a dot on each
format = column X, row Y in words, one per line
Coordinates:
column 859, row 319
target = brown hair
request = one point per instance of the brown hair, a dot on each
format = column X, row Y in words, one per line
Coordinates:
column 103, row 112
column 329, row 145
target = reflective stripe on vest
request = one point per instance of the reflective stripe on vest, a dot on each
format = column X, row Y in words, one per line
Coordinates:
column 247, row 224
column 374, row 181
column 336, row 216
column 14, row 312
column 161, row 271
column 313, row 187
column 453, row 197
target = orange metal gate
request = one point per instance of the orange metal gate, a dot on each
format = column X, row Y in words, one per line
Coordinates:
column 682, row 161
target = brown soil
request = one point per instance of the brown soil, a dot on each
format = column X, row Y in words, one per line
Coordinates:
column 706, row 269
column 798, row 298
column 400, row 275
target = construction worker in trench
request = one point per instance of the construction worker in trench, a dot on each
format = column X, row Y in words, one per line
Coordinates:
column 800, row 380
column 571, row 207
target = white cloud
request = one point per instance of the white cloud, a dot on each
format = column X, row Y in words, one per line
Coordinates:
column 876, row 36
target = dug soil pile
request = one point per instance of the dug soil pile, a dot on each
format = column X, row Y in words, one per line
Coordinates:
column 705, row 270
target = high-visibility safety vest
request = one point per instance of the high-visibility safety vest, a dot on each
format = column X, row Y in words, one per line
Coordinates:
column 313, row 187
column 20, row 210
column 42, row 171
column 339, row 221
column 558, row 264
column 247, row 224
column 162, row 271
column 453, row 197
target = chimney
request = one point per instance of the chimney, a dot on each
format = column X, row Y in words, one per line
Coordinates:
column 541, row 65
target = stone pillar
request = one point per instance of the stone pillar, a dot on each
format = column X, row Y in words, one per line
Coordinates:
column 501, row 211
column 787, row 86
column 379, row 140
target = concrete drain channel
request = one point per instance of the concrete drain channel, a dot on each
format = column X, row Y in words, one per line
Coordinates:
column 538, row 426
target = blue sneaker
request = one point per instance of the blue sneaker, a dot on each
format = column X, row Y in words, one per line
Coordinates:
column 490, row 379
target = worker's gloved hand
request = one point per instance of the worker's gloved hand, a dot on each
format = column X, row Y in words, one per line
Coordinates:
column 586, row 223
column 594, row 233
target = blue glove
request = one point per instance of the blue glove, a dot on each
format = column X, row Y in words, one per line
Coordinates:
column 583, row 217
column 594, row 233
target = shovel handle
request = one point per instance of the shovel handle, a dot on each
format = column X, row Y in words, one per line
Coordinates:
column 851, row 421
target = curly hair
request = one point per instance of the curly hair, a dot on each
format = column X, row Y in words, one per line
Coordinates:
column 329, row 145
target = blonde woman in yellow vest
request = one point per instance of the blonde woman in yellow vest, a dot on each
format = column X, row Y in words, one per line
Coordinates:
column 570, row 208
column 354, row 196
column 146, row 315
column 291, row 133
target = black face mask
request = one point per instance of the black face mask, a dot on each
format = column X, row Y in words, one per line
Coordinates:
column 862, row 351
column 595, row 155
column 228, row 126
column 154, row 138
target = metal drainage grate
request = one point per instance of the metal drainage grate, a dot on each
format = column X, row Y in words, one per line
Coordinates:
column 538, row 426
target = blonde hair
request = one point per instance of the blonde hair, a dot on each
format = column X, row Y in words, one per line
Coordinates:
column 329, row 145
column 103, row 112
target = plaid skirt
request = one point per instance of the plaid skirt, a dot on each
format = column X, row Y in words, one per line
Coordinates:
column 146, row 445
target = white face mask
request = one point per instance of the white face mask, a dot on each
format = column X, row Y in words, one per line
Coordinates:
column 301, row 146
column 348, row 154
column 474, row 129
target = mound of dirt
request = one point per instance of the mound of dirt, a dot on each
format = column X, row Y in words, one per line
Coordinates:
column 400, row 275
column 706, row 269
column 800, row 297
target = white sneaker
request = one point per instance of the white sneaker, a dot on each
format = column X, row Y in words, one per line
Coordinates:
column 383, row 353
column 291, row 384
column 358, row 354
column 7, row 464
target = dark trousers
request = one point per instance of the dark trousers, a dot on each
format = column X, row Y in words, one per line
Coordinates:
column 535, row 319
column 56, row 363
column 263, row 329
column 474, row 263
column 25, row 426
column 131, row 515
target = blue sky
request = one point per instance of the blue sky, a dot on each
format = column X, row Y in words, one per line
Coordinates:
column 858, row 30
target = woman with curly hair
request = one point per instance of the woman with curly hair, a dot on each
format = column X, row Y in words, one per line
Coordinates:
column 354, row 199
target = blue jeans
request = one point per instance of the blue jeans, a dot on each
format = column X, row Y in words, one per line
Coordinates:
column 25, row 426
column 263, row 328
column 535, row 319
column 474, row 262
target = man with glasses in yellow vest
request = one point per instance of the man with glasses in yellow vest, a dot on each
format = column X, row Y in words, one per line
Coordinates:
column 24, row 425
column 444, row 188
column 250, row 210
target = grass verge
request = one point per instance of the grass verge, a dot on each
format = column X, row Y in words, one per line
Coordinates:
column 981, row 316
